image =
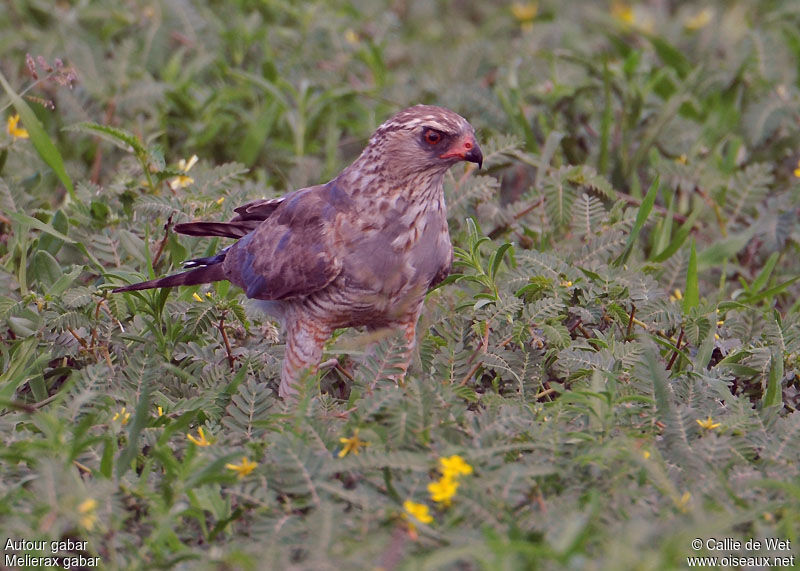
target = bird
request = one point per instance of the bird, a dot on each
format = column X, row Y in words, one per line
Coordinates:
column 361, row 250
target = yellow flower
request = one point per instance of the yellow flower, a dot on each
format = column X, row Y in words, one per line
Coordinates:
column 797, row 170
column 676, row 295
column 202, row 441
column 14, row 130
column 197, row 297
column 454, row 466
column 525, row 13
column 351, row 37
column 622, row 12
column 87, row 511
column 708, row 424
column 442, row 492
column 123, row 416
column 183, row 180
column 160, row 411
column 243, row 468
column 682, row 503
column 699, row 20
column 566, row 283
column 418, row 511
column 646, row 454
column 351, row 444
column 220, row 200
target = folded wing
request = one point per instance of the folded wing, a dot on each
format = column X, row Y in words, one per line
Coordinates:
column 295, row 251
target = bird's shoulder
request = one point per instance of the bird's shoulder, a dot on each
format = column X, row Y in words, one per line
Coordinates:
column 320, row 201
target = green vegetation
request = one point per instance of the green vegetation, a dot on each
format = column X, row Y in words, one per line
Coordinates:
column 616, row 357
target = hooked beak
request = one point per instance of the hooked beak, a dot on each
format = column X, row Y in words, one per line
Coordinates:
column 466, row 149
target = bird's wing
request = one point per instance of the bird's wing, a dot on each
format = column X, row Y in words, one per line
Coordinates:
column 248, row 217
column 295, row 250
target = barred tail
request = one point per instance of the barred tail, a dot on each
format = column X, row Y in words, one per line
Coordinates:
column 202, row 275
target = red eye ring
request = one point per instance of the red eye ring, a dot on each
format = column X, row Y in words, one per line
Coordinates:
column 432, row 137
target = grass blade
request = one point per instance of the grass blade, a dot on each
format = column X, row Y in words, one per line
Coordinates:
column 39, row 137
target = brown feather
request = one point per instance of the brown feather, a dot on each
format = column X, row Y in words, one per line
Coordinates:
column 248, row 217
column 224, row 229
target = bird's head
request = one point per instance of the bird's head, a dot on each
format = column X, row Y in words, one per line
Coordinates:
column 422, row 142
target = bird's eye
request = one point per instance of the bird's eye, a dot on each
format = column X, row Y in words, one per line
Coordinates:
column 432, row 137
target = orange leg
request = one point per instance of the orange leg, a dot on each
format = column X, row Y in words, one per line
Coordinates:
column 409, row 329
column 305, row 339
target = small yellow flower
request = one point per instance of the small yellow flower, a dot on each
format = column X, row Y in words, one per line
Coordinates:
column 525, row 13
column 123, row 416
column 623, row 12
column 419, row 512
column 454, row 466
column 202, row 440
column 646, row 454
column 183, row 180
column 243, row 468
column 708, row 424
column 683, row 159
column 87, row 511
column 160, row 411
column 682, row 503
column 14, row 129
column 442, row 492
column 197, row 297
column 208, row 294
column 351, row 444
column 220, row 200
column 797, row 170
column 185, row 165
column 566, row 283
column 699, row 20
column 676, row 295
column 351, row 37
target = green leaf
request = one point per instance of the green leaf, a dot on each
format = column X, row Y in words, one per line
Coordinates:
column 641, row 218
column 39, row 225
column 678, row 239
column 121, row 138
column 670, row 55
column 771, row 292
column 49, row 242
column 25, row 362
column 40, row 139
column 691, row 297
column 497, row 258
column 722, row 250
column 763, row 276
column 107, row 458
column 139, row 421
column 773, row 395
column 46, row 269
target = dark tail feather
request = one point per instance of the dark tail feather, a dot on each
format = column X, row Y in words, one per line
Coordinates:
column 226, row 229
column 204, row 275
